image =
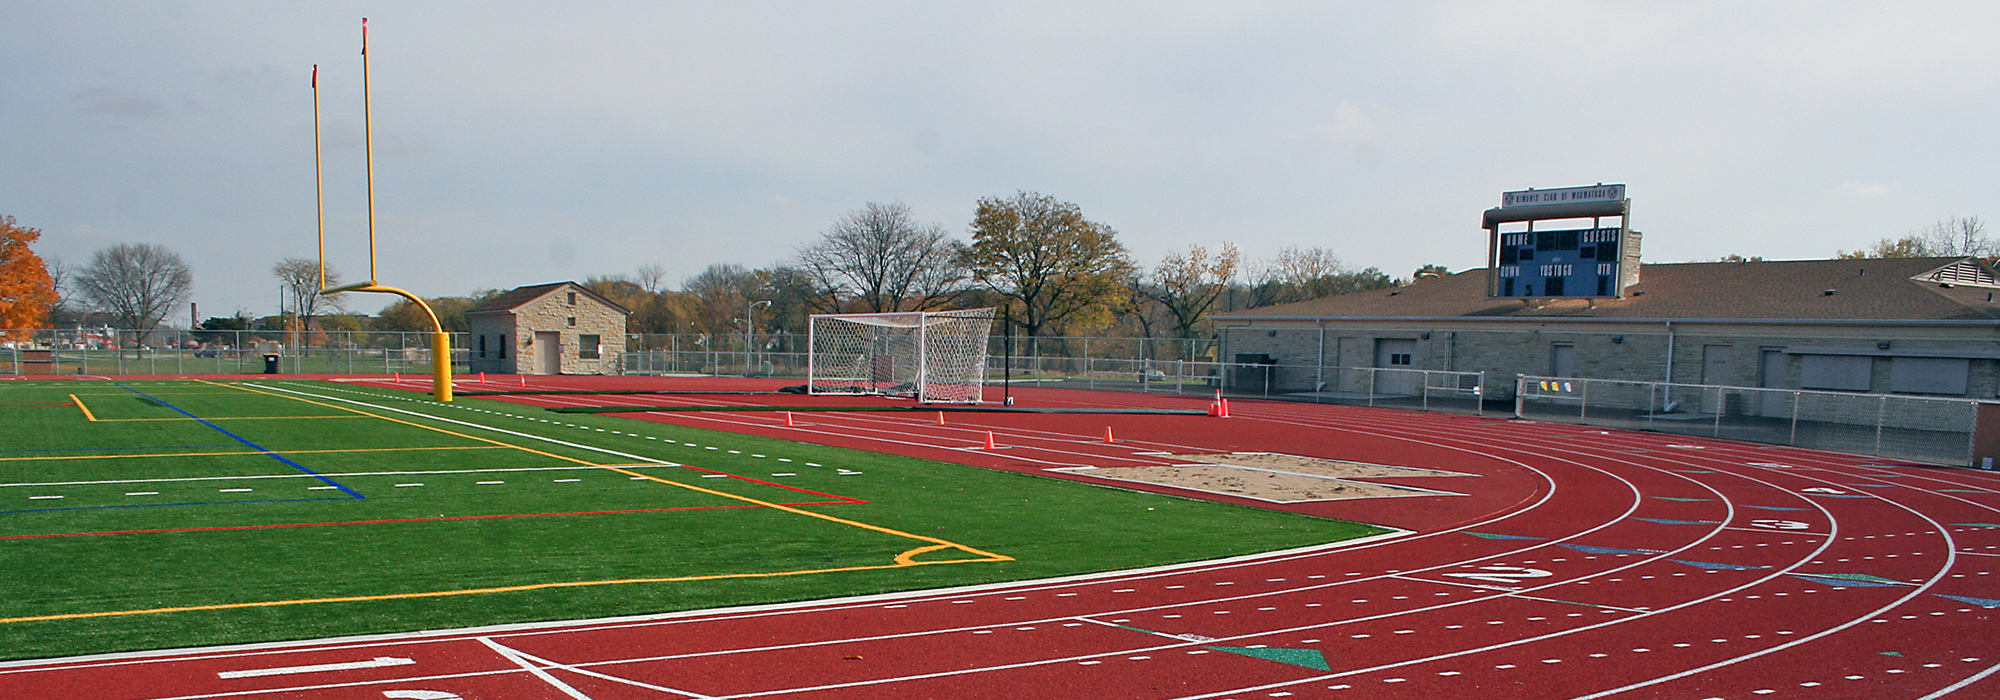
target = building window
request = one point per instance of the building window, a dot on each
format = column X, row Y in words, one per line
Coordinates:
column 1837, row 372
column 586, row 346
column 1399, row 359
column 503, row 346
column 572, row 321
column 1929, row 375
column 572, row 298
column 482, row 346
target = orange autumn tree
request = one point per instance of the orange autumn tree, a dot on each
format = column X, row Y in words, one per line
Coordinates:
column 26, row 290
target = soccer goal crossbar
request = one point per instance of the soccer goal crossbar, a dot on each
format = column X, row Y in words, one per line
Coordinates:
column 930, row 356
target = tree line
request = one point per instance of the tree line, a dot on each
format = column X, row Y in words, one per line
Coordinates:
column 1054, row 271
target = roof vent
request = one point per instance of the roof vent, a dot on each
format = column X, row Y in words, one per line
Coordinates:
column 1827, row 293
column 1394, row 292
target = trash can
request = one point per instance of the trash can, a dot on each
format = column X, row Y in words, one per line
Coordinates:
column 270, row 364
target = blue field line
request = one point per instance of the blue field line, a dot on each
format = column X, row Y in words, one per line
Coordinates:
column 101, row 449
column 166, row 505
column 295, row 465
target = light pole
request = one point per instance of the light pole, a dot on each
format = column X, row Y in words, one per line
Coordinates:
column 750, row 334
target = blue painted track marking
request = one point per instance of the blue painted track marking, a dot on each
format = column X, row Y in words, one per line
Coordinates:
column 295, row 465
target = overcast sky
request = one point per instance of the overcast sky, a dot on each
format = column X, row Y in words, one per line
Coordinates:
column 520, row 143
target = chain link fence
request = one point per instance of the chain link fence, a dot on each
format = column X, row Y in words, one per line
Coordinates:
column 169, row 351
column 1916, row 428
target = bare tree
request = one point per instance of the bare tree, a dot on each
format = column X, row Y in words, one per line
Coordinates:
column 1188, row 285
column 1957, row 236
column 652, row 278
column 300, row 282
column 1298, row 274
column 136, row 283
column 886, row 259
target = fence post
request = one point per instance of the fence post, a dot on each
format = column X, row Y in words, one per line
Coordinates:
column 1520, row 380
column 1881, row 410
column 1794, row 439
column 1583, row 401
column 1719, row 398
column 1479, row 395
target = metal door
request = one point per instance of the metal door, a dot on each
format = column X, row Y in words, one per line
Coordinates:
column 1770, row 375
column 1714, row 370
column 548, row 352
column 1396, row 354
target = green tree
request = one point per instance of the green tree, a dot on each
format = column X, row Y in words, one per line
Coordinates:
column 1429, row 271
column 404, row 316
column 1041, row 252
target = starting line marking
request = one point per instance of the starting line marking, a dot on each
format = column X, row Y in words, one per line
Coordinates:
column 377, row 662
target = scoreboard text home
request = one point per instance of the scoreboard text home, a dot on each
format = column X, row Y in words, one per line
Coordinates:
column 1556, row 243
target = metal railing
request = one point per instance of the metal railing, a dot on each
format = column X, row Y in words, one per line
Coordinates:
column 1916, row 428
column 169, row 351
column 1425, row 390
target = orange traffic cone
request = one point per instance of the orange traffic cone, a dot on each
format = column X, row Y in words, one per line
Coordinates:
column 989, row 441
column 1107, row 434
column 482, row 377
column 524, row 380
column 399, row 376
column 788, row 419
column 940, row 417
column 1225, row 409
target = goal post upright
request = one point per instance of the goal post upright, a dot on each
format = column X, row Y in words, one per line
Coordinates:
column 440, row 340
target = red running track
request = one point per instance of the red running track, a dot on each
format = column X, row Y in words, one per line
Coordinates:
column 1581, row 563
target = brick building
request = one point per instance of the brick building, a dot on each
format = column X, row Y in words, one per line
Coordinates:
column 557, row 328
column 1921, row 326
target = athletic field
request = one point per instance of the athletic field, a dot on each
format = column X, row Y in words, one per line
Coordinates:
column 140, row 514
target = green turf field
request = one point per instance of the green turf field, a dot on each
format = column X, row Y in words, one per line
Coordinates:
column 149, row 514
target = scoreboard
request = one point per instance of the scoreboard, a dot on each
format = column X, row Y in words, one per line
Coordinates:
column 1563, row 257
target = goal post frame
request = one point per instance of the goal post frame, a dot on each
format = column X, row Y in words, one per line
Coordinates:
column 929, row 356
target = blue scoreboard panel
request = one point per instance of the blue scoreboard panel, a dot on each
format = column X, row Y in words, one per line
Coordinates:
column 1566, row 263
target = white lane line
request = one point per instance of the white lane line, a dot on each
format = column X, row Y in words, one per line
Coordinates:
column 529, row 666
column 1961, row 684
column 518, row 657
column 377, row 662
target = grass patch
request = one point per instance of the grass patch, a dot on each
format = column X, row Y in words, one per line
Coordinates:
column 257, row 506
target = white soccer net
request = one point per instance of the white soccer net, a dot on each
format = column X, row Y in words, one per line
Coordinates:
column 931, row 356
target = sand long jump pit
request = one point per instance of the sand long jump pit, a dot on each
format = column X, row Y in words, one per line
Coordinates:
column 1272, row 477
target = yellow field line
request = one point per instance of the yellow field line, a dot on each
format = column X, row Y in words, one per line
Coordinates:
column 251, row 452
column 86, row 409
column 902, row 561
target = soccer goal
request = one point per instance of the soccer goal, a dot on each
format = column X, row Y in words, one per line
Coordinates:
column 931, row 356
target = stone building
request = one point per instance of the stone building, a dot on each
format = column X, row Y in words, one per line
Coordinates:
column 557, row 328
column 1921, row 326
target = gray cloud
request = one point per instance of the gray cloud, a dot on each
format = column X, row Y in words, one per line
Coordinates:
column 686, row 134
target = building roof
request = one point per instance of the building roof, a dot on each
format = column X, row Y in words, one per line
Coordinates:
column 1931, row 289
column 519, row 296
